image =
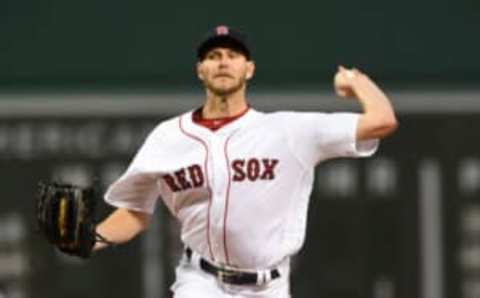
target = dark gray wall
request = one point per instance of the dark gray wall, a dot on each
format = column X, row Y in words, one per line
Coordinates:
column 363, row 230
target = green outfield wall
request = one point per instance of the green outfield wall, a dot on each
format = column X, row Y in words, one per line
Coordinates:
column 151, row 43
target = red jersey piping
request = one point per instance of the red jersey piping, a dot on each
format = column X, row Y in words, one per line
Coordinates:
column 227, row 200
column 202, row 142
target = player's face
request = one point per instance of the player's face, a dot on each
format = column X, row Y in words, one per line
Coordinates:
column 224, row 71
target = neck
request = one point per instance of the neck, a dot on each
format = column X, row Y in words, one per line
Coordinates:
column 218, row 106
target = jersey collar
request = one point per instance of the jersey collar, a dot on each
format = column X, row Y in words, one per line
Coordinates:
column 190, row 125
column 216, row 123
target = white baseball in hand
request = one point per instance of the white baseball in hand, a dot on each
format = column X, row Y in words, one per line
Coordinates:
column 343, row 82
column 349, row 74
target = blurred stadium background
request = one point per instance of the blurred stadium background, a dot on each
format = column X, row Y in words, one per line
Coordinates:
column 82, row 83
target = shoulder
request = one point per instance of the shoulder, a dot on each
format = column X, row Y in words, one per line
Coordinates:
column 293, row 116
column 174, row 122
column 167, row 126
column 308, row 123
column 306, row 115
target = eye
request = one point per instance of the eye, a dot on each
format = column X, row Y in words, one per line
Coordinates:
column 233, row 54
column 212, row 55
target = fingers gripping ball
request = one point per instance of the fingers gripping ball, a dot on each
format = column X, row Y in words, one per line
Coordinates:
column 343, row 81
column 65, row 215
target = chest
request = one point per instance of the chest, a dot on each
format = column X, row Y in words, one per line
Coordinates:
column 240, row 157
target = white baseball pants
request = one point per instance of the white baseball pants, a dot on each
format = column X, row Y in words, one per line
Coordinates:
column 192, row 282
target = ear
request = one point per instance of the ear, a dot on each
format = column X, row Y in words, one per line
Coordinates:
column 250, row 70
column 200, row 71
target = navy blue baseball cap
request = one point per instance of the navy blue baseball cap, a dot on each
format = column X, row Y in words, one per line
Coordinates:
column 223, row 36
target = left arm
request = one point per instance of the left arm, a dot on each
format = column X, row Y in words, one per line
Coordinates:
column 121, row 226
column 378, row 118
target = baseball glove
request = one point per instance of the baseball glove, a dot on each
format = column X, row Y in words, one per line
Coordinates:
column 65, row 215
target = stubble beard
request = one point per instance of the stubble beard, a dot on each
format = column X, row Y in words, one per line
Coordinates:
column 225, row 91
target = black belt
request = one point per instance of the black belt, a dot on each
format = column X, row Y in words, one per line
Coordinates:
column 229, row 276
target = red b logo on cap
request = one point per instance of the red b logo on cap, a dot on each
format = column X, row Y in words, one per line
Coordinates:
column 222, row 30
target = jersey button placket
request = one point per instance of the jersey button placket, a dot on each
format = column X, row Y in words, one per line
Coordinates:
column 212, row 243
column 219, row 176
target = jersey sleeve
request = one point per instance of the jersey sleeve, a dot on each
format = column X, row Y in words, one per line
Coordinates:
column 315, row 137
column 138, row 189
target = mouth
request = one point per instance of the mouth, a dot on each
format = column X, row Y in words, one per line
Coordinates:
column 223, row 75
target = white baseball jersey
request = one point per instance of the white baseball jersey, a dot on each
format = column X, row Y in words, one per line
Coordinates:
column 241, row 192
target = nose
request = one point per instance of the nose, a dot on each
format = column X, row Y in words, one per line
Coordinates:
column 224, row 60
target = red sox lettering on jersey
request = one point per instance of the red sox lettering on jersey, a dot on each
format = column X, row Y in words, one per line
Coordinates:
column 241, row 192
column 251, row 169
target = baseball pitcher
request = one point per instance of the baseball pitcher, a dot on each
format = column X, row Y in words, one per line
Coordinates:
column 238, row 179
